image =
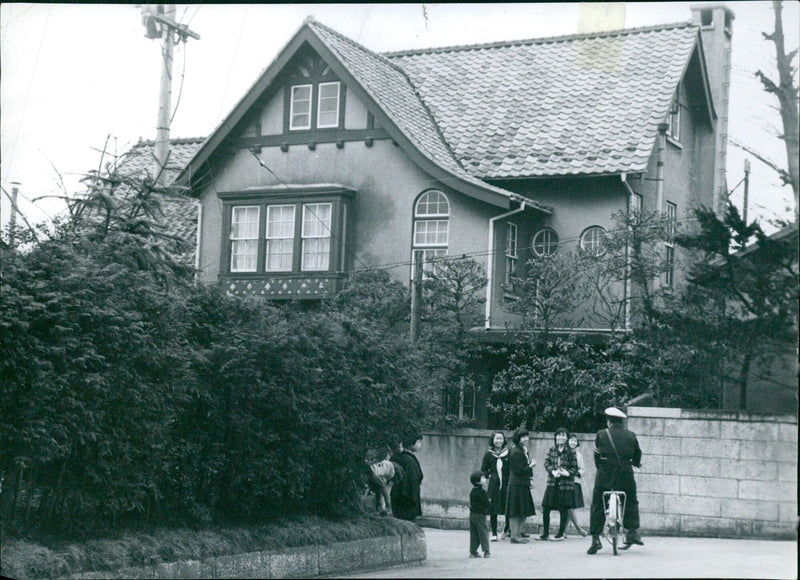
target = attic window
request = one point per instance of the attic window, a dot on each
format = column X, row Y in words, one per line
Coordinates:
column 300, row 113
column 328, row 105
column 316, row 105
column 706, row 17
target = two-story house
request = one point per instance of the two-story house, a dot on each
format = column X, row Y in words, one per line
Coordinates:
column 339, row 158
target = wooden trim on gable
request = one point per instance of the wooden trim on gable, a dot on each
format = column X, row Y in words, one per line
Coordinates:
column 305, row 137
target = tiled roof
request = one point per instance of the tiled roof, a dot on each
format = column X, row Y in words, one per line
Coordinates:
column 139, row 160
column 389, row 86
column 180, row 215
column 583, row 104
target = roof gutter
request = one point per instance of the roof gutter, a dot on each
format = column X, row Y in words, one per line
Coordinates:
column 490, row 261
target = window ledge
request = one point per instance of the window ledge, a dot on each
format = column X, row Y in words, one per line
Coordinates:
column 674, row 142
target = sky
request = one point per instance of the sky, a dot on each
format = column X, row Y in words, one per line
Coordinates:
column 81, row 78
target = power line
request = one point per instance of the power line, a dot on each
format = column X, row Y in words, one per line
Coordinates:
column 28, row 93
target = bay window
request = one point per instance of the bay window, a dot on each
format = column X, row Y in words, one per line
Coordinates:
column 272, row 236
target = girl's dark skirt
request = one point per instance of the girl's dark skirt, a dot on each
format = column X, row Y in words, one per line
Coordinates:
column 555, row 498
column 578, row 496
column 520, row 502
column 497, row 496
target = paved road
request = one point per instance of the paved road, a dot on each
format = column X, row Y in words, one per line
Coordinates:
column 660, row 557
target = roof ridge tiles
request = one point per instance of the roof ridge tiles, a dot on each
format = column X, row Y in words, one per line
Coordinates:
column 175, row 141
column 541, row 40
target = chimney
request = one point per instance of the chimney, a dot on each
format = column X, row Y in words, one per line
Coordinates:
column 716, row 30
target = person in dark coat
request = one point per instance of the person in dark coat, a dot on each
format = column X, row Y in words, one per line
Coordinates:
column 562, row 467
column 478, row 508
column 519, row 503
column 495, row 466
column 406, row 502
column 616, row 450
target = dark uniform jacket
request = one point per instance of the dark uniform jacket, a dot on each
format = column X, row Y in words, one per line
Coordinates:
column 478, row 501
column 520, row 471
column 615, row 472
column 405, row 495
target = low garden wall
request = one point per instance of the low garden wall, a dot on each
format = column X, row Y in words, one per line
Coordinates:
column 704, row 473
column 302, row 562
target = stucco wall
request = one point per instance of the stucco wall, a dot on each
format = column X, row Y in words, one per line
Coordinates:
column 380, row 222
column 708, row 473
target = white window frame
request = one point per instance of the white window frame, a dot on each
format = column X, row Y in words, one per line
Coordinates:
column 594, row 246
column 292, row 126
column 511, row 251
column 307, row 237
column 636, row 203
column 674, row 119
column 235, row 241
column 284, row 238
column 548, row 233
column 428, row 251
column 320, row 99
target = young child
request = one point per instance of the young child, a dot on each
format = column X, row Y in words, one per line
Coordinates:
column 478, row 509
column 381, row 478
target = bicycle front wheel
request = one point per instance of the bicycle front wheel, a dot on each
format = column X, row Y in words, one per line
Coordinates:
column 614, row 537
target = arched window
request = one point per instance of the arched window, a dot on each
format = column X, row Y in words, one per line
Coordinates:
column 593, row 241
column 431, row 229
column 544, row 242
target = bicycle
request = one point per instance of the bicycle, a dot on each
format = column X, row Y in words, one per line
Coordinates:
column 614, row 502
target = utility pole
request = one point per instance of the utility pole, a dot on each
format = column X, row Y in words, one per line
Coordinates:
column 416, row 298
column 746, row 186
column 12, row 222
column 159, row 22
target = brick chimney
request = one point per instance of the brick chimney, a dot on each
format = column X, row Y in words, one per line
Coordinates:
column 716, row 30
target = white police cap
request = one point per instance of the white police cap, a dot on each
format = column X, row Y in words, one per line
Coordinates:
column 615, row 413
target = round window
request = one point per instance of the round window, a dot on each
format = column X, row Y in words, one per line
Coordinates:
column 545, row 242
column 593, row 241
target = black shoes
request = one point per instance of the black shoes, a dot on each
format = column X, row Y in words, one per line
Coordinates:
column 631, row 538
column 596, row 545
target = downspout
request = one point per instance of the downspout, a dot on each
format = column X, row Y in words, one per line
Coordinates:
column 628, row 257
column 490, row 261
column 197, row 239
column 662, row 145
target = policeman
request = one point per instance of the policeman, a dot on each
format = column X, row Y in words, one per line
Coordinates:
column 615, row 451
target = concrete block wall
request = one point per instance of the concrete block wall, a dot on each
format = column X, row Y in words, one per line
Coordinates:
column 704, row 473
column 716, row 473
column 448, row 459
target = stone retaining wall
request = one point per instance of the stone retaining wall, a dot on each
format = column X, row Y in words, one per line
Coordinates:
column 302, row 562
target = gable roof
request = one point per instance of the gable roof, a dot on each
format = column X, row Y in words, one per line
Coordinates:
column 575, row 105
column 583, row 104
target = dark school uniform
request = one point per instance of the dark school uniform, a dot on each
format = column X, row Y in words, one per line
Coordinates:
column 478, row 528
